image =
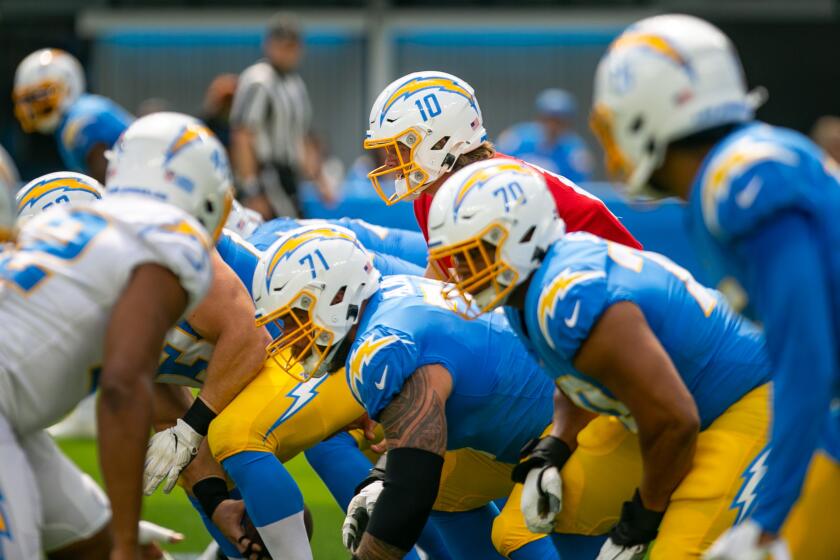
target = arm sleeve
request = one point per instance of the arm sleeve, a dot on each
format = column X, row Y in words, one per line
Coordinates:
column 788, row 283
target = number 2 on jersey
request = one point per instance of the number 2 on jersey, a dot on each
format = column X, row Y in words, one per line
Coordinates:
column 64, row 238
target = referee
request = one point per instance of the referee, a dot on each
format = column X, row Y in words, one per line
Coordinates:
column 271, row 144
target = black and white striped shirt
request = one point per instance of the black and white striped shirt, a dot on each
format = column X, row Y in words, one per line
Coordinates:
column 276, row 108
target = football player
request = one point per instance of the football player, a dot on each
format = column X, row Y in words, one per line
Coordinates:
column 268, row 417
column 434, row 380
column 49, row 96
column 429, row 125
column 674, row 116
column 624, row 333
column 87, row 296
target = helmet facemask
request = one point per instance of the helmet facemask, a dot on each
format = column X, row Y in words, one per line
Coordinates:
column 476, row 271
column 409, row 178
column 302, row 346
column 37, row 107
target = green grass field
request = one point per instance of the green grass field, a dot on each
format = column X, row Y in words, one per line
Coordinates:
column 174, row 510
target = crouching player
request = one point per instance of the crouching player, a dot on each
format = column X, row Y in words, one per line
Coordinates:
column 87, row 295
column 623, row 333
column 434, row 380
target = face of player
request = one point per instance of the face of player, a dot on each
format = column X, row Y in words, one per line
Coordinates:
column 284, row 54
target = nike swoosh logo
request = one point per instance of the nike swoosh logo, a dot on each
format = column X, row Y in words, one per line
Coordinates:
column 572, row 321
column 748, row 194
column 381, row 383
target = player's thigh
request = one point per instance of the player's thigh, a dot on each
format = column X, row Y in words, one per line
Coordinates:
column 601, row 474
column 20, row 503
column 278, row 414
column 74, row 507
column 811, row 529
column 720, row 488
column 470, row 479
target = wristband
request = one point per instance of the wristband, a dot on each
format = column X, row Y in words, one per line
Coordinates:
column 199, row 417
column 210, row 492
column 637, row 525
column 377, row 472
column 548, row 451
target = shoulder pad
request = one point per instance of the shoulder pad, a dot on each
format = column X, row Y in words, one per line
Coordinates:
column 568, row 307
column 378, row 364
column 747, row 182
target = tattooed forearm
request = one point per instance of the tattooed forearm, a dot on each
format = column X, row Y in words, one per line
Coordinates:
column 372, row 548
column 417, row 417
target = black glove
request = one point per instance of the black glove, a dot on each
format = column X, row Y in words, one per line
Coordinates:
column 637, row 525
column 546, row 452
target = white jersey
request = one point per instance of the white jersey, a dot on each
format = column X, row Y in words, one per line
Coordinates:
column 59, row 285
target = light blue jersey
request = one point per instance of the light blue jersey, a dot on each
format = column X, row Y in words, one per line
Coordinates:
column 407, row 245
column 567, row 155
column 186, row 354
column 91, row 120
column 764, row 209
column 500, row 398
column 719, row 356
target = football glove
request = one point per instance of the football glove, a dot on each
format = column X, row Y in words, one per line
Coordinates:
column 539, row 472
column 631, row 536
column 741, row 543
column 358, row 514
column 169, row 452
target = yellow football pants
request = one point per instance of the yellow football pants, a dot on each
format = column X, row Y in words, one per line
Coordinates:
column 812, row 530
column 280, row 415
column 605, row 469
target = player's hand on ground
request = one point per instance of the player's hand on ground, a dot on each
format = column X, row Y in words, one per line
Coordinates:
column 542, row 499
column 169, row 452
column 358, row 514
column 631, row 536
column 228, row 518
column 745, row 542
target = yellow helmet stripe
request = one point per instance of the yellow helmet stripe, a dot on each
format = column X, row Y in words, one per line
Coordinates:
column 478, row 177
column 189, row 134
column 418, row 84
column 654, row 42
column 294, row 242
column 63, row 183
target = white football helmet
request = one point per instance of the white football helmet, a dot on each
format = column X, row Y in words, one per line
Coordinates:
column 423, row 121
column 47, row 82
column 310, row 285
column 490, row 224
column 64, row 187
column 173, row 158
column 243, row 221
column 664, row 78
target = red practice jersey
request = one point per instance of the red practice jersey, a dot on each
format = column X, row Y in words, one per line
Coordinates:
column 580, row 210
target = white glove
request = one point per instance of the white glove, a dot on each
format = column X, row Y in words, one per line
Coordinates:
column 612, row 551
column 358, row 515
column 741, row 543
column 542, row 499
column 169, row 452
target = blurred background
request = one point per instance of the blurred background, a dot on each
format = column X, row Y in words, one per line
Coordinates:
column 531, row 63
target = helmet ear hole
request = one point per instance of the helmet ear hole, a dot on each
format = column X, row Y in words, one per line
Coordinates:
column 528, row 235
column 209, row 206
column 440, row 143
column 637, row 124
column 339, row 296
